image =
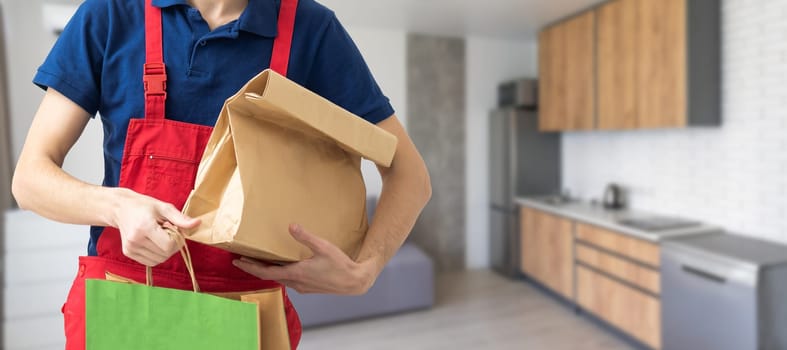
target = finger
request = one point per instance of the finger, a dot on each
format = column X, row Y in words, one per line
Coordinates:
column 164, row 241
column 139, row 241
column 311, row 241
column 152, row 250
column 258, row 262
column 142, row 260
column 173, row 215
column 262, row 271
column 146, row 257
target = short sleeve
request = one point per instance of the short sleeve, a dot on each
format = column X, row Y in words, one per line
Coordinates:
column 73, row 66
column 340, row 74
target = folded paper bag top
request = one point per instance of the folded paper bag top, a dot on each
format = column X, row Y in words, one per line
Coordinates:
column 281, row 154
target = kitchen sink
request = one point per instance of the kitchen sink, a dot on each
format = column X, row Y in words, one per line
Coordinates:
column 657, row 223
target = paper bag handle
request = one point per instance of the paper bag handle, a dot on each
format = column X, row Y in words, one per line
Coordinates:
column 184, row 252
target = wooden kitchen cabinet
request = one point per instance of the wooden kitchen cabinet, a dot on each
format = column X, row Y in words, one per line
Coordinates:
column 566, row 68
column 547, row 250
column 618, row 280
column 632, row 248
column 616, row 57
column 662, row 65
column 628, row 309
column 648, row 279
column 550, row 79
column 678, row 67
column 652, row 64
column 611, row 275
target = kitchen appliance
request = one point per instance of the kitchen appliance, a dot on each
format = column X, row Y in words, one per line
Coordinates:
column 520, row 92
column 523, row 162
column 723, row 292
column 614, row 197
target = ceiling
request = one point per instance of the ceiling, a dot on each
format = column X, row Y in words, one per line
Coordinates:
column 511, row 19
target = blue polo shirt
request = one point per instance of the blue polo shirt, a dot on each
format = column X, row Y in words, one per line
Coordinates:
column 97, row 63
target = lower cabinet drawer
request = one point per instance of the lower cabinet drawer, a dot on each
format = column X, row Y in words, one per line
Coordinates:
column 638, row 275
column 637, row 249
column 626, row 308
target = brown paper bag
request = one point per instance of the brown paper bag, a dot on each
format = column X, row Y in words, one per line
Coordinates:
column 274, row 333
column 280, row 154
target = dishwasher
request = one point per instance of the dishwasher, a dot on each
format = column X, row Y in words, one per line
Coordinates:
column 723, row 292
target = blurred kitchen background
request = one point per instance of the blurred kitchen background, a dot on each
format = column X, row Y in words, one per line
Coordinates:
column 607, row 175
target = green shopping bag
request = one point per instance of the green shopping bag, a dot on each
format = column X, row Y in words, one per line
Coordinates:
column 122, row 316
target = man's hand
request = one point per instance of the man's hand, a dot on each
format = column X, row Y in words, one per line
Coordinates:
column 328, row 271
column 141, row 221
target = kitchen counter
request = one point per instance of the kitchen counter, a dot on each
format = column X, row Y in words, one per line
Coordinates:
column 609, row 219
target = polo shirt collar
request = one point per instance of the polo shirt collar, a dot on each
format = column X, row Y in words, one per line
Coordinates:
column 168, row 3
column 259, row 17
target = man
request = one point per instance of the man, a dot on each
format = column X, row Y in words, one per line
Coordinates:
column 149, row 67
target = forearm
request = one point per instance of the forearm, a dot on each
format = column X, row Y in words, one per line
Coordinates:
column 403, row 196
column 40, row 185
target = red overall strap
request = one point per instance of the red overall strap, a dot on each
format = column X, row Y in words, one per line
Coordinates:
column 154, row 75
column 280, row 58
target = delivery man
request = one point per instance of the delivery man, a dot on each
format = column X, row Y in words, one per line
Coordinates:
column 173, row 63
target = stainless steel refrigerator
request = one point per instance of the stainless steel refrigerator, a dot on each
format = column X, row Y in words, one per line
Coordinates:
column 522, row 162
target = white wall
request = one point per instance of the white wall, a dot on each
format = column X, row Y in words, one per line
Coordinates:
column 384, row 51
column 732, row 176
column 489, row 62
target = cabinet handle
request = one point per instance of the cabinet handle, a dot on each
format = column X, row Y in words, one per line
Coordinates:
column 704, row 275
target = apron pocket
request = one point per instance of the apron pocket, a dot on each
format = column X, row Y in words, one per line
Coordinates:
column 170, row 179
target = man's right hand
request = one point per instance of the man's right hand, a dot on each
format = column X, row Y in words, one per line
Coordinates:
column 141, row 219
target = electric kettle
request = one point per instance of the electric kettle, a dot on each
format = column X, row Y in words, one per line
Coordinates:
column 613, row 197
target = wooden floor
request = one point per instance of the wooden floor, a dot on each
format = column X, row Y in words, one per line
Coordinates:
column 475, row 310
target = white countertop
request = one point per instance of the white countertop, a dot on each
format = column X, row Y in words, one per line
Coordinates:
column 608, row 218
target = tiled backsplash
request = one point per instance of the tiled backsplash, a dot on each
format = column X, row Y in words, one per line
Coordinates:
column 735, row 175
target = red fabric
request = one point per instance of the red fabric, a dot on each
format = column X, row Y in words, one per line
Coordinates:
column 154, row 47
column 154, row 73
column 280, row 58
column 160, row 159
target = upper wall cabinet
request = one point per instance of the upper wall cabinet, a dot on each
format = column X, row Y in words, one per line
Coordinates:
column 656, row 64
column 567, row 86
column 616, row 45
column 662, row 67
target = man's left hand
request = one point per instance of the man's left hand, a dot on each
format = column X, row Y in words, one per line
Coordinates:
column 328, row 271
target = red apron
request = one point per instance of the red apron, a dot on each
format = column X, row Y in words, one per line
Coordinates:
column 160, row 159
